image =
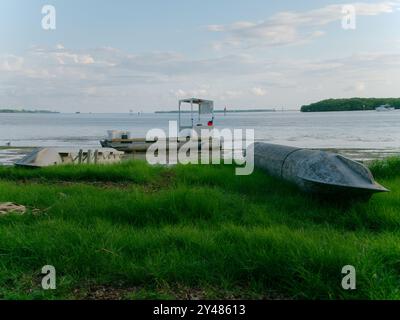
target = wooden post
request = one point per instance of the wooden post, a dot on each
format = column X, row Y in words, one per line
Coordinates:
column 80, row 155
column 96, row 153
column 89, row 155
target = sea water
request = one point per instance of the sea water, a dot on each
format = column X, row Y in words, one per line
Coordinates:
column 367, row 132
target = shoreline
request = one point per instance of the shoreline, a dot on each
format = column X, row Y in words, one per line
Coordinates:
column 8, row 155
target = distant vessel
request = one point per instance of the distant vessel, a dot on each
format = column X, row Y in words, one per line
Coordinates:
column 385, row 107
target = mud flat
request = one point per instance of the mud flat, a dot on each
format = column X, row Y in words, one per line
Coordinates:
column 8, row 155
column 366, row 155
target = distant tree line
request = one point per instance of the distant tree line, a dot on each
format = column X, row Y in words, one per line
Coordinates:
column 25, row 111
column 224, row 111
column 353, row 104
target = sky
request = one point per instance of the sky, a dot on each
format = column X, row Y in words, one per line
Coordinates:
column 121, row 55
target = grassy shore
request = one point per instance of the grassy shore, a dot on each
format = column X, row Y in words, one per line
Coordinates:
column 131, row 231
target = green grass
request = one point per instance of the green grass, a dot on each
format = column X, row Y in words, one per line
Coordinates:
column 133, row 231
column 387, row 168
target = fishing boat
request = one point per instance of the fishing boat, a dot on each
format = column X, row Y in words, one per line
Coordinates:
column 201, row 118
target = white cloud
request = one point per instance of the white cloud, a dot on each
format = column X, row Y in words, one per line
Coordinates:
column 259, row 92
column 66, row 57
column 288, row 28
column 107, row 79
column 195, row 93
column 360, row 87
column 11, row 63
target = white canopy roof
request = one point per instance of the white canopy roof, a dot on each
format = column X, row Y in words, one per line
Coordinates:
column 205, row 106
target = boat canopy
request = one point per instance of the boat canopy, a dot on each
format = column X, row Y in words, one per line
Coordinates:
column 204, row 107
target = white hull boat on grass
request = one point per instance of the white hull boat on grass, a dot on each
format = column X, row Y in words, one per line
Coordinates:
column 44, row 157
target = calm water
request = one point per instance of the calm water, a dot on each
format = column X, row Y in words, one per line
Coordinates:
column 369, row 130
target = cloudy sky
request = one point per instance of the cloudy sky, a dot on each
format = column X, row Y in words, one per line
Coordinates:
column 113, row 56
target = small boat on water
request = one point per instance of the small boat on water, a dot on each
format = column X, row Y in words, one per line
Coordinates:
column 122, row 140
column 385, row 107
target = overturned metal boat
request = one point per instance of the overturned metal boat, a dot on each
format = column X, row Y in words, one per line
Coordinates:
column 315, row 170
column 44, row 157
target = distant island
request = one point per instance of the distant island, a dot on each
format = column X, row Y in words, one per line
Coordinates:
column 352, row 104
column 25, row 111
column 223, row 111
